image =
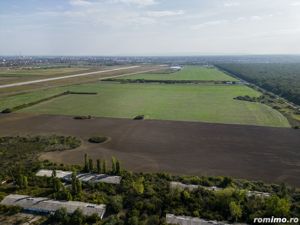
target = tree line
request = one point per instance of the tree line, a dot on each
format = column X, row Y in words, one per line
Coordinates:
column 281, row 79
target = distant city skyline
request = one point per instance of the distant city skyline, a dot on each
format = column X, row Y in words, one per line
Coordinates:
column 149, row 27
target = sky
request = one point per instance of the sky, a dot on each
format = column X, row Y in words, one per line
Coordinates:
column 149, row 27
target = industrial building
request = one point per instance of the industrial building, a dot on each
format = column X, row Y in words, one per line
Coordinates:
column 45, row 205
column 186, row 220
column 192, row 187
column 83, row 177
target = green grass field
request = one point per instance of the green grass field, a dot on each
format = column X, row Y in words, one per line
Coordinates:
column 15, row 100
column 187, row 73
column 207, row 103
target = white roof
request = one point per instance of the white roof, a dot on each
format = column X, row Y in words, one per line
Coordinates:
column 47, row 205
column 192, row 187
column 84, row 177
column 186, row 220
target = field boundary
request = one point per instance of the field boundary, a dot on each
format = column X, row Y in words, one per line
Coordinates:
column 26, row 105
column 143, row 81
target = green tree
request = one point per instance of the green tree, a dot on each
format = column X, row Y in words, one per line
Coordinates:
column 134, row 220
column 116, row 203
column 78, row 187
column 104, row 166
column 22, row 181
column 91, row 165
column 138, row 185
column 53, row 173
column 86, row 164
column 226, row 182
column 61, row 216
column 77, row 217
column 278, row 207
column 118, row 167
column 98, row 166
column 113, row 165
column 74, row 179
column 57, row 185
column 25, row 182
column 235, row 211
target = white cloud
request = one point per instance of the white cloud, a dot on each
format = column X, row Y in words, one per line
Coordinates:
column 208, row 24
column 164, row 13
column 80, row 2
column 295, row 4
column 255, row 18
column 138, row 2
column 231, row 4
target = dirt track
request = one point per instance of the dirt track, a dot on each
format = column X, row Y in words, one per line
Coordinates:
column 257, row 153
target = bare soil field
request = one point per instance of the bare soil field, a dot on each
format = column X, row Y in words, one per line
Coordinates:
column 190, row 148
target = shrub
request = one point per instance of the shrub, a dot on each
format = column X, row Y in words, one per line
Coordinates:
column 98, row 139
column 7, row 110
column 139, row 117
column 82, row 117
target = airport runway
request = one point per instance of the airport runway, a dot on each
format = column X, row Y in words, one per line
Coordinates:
column 65, row 77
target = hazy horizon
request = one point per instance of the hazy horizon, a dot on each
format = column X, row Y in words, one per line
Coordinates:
column 149, row 27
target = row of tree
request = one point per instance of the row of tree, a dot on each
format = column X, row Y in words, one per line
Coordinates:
column 101, row 166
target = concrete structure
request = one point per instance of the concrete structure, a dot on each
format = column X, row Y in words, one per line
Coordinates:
column 258, row 194
column 186, row 220
column 84, row 177
column 192, row 187
column 45, row 205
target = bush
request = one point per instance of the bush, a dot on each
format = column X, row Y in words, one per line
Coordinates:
column 98, row 139
column 276, row 107
column 83, row 117
column 7, row 110
column 10, row 210
column 139, row 117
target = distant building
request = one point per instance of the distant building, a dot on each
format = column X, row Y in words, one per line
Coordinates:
column 176, row 68
column 192, row 187
column 186, row 220
column 84, row 177
column 47, row 206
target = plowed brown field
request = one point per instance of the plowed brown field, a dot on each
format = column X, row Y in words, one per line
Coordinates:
column 190, row 148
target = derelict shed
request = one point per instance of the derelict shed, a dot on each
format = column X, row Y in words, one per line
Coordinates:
column 186, row 220
column 84, row 177
column 45, row 205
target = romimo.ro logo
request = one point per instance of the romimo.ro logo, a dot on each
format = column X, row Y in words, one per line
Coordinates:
column 276, row 220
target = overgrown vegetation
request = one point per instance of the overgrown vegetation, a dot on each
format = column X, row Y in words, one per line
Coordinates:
column 20, row 154
column 141, row 198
